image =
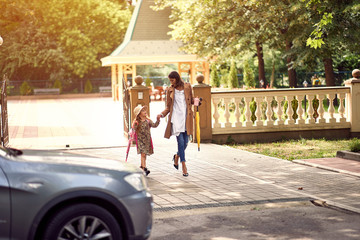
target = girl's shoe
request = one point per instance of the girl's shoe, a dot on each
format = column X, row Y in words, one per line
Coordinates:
column 146, row 171
column 175, row 165
column 185, row 174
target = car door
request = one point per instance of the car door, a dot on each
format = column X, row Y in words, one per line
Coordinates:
column 5, row 206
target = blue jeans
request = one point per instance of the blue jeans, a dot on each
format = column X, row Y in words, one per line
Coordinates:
column 182, row 141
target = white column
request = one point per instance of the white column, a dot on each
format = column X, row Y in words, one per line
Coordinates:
column 279, row 111
column 238, row 123
column 216, row 114
column 300, row 110
column 269, row 121
column 310, row 112
column 259, row 121
column 227, row 113
column 331, row 109
column 248, row 122
column 289, row 110
column 341, row 107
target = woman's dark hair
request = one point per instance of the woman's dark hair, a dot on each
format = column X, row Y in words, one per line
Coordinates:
column 176, row 76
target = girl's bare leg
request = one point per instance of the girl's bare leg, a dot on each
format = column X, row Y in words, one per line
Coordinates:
column 143, row 160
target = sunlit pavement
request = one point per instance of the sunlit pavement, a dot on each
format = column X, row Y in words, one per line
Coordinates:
column 218, row 175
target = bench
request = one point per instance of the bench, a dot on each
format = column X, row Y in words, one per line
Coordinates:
column 105, row 89
column 44, row 91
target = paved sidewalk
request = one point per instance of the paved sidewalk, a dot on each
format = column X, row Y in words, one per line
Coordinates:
column 219, row 175
column 336, row 164
column 55, row 123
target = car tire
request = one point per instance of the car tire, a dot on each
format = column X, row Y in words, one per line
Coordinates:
column 83, row 221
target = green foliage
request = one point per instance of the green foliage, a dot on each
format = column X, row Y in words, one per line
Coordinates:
column 230, row 140
column 58, row 84
column 88, row 86
column 249, row 77
column 148, row 82
column 294, row 105
column 354, row 145
column 315, row 103
column 211, row 28
column 224, row 78
column 316, row 37
column 214, row 76
column 232, row 78
column 68, row 37
column 253, row 107
column 298, row 149
column 25, row 88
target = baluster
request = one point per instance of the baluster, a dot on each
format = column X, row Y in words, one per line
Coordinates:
column 216, row 114
column 300, row 110
column 341, row 107
column 258, row 121
column 248, row 122
column 331, row 109
column 310, row 112
column 238, row 123
column 289, row 111
column 269, row 121
column 321, row 110
column 227, row 113
column 279, row 111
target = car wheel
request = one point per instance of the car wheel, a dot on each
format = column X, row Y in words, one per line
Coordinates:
column 83, row 221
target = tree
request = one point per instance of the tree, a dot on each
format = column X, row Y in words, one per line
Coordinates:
column 227, row 29
column 325, row 13
column 214, row 76
column 221, row 28
column 335, row 35
column 58, row 40
column 248, row 75
column 232, row 78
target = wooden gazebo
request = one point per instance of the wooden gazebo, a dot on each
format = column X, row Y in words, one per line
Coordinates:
column 147, row 42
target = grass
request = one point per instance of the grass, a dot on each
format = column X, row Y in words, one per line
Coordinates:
column 298, row 149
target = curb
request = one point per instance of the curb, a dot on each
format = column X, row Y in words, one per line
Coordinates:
column 348, row 155
column 302, row 162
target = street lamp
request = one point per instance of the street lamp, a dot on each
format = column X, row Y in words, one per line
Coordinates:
column 305, row 84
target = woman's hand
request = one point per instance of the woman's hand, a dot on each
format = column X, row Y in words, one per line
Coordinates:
column 196, row 101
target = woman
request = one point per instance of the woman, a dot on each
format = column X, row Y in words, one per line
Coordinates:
column 179, row 99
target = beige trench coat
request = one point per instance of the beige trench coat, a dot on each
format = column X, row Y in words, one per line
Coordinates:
column 169, row 107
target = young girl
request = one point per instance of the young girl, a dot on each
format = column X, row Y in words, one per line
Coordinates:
column 141, row 125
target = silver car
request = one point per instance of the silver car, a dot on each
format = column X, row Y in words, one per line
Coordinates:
column 50, row 195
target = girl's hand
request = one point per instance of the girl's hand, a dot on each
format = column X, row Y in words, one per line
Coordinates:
column 158, row 117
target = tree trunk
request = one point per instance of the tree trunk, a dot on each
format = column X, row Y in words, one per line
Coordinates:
column 260, row 56
column 329, row 72
column 291, row 70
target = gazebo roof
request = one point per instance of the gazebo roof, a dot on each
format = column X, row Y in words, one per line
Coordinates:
column 147, row 40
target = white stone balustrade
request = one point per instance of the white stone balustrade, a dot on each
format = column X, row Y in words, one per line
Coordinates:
column 231, row 110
